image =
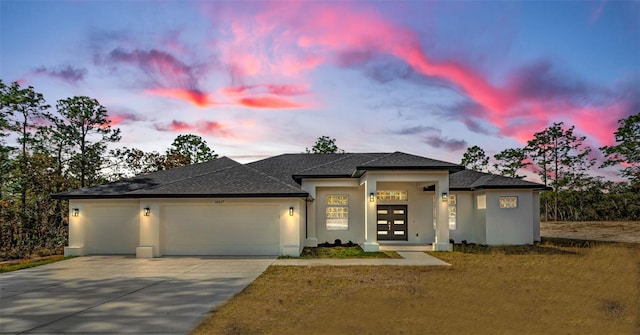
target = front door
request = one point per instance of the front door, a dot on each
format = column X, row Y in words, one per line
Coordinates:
column 392, row 222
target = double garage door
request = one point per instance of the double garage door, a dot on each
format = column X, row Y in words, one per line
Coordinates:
column 189, row 230
column 220, row 230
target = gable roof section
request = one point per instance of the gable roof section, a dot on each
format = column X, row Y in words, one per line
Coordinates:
column 222, row 177
column 474, row 180
column 403, row 161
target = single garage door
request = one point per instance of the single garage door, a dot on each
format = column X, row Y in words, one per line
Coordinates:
column 220, row 230
column 112, row 230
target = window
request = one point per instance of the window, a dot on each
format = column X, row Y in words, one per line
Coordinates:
column 508, row 202
column 452, row 211
column 392, row 195
column 337, row 212
column 481, row 200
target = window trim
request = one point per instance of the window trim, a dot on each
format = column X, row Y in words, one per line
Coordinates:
column 341, row 206
column 501, row 203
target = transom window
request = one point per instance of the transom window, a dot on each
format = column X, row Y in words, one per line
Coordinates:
column 392, row 195
column 508, row 202
column 337, row 212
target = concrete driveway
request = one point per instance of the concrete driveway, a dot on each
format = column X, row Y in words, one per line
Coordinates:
column 114, row 294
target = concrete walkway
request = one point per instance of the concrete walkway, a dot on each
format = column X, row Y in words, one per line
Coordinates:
column 410, row 258
column 114, row 294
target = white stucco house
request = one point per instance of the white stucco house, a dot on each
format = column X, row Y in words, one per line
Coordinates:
column 278, row 205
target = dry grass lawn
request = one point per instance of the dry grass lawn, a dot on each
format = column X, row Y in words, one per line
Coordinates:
column 620, row 231
column 528, row 290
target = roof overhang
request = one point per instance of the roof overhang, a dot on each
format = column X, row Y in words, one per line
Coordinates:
column 181, row 196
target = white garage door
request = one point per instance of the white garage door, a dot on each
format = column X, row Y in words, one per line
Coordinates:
column 220, row 230
column 112, row 230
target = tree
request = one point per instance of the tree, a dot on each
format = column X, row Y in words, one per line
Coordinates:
column 562, row 158
column 21, row 107
column 188, row 149
column 627, row 150
column 86, row 128
column 325, row 145
column 475, row 159
column 131, row 162
column 509, row 161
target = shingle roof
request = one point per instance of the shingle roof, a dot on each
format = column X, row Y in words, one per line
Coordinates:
column 222, row 177
column 277, row 176
column 471, row 180
column 400, row 160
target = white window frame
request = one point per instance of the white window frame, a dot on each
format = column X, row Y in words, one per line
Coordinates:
column 337, row 212
column 508, row 202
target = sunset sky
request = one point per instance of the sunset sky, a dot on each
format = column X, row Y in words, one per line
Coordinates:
column 257, row 79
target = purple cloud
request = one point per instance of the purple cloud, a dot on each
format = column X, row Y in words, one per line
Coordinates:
column 69, row 74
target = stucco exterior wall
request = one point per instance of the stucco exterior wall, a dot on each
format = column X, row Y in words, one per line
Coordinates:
column 464, row 218
column 506, row 226
column 355, row 232
column 146, row 236
column 536, row 216
column 419, row 210
column 479, row 221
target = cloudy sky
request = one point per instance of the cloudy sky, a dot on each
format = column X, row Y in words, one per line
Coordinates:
column 261, row 78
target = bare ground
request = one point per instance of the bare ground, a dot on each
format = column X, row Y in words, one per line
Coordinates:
column 617, row 231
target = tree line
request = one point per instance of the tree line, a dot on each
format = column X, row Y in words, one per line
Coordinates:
column 46, row 150
column 56, row 149
column 563, row 161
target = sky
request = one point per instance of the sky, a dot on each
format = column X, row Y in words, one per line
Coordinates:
column 260, row 78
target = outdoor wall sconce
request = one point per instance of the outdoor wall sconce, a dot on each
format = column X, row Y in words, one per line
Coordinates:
column 444, row 197
column 290, row 211
column 75, row 212
column 372, row 197
column 147, row 211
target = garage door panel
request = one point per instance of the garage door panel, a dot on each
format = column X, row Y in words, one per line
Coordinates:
column 220, row 230
column 113, row 230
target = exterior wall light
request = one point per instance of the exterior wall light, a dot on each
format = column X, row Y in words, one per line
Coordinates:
column 444, row 197
column 75, row 212
column 146, row 211
column 372, row 197
column 290, row 211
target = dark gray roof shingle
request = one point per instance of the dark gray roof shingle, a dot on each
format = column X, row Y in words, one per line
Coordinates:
column 471, row 180
column 277, row 176
column 219, row 177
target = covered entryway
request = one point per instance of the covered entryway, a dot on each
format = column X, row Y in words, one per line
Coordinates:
column 392, row 222
column 112, row 230
column 220, row 230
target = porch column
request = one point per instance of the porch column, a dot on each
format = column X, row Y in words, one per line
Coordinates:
column 77, row 227
column 370, row 228
column 312, row 235
column 149, row 243
column 442, row 220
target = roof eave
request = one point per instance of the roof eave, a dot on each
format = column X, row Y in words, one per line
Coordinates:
column 182, row 195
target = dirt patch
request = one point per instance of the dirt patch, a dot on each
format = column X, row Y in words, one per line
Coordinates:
column 617, row 231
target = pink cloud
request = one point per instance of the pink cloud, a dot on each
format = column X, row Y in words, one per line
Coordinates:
column 195, row 97
column 208, row 128
column 268, row 102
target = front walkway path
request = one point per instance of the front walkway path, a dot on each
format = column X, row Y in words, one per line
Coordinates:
column 410, row 258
